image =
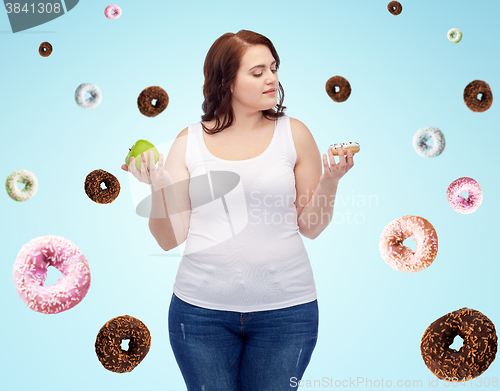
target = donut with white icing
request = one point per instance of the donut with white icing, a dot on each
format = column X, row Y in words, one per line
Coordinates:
column 351, row 145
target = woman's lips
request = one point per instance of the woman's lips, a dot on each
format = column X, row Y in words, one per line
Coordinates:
column 272, row 92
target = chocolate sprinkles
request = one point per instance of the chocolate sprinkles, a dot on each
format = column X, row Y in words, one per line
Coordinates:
column 108, row 343
column 473, row 358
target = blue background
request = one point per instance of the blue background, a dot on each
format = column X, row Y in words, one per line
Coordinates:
column 404, row 73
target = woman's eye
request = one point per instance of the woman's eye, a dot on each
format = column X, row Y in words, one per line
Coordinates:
column 260, row 74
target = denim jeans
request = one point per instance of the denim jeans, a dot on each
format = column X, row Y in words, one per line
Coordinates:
column 242, row 351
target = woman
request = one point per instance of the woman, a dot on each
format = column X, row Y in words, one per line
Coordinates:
column 244, row 313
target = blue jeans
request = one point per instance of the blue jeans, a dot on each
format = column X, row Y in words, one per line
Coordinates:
column 242, row 351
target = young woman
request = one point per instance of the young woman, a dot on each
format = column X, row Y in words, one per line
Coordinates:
column 244, row 312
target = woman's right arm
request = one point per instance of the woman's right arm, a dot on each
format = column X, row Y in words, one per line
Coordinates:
column 171, row 206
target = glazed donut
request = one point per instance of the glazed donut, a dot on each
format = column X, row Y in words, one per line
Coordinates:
column 45, row 49
column 94, row 190
column 95, row 96
column 395, row 7
column 471, row 92
column 454, row 35
column 30, row 185
column 459, row 203
column 112, row 12
column 145, row 101
column 343, row 86
column 30, row 272
column 423, row 135
column 473, row 358
column 108, row 343
column 354, row 147
column 402, row 258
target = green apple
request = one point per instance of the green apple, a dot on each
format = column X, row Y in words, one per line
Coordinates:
column 136, row 151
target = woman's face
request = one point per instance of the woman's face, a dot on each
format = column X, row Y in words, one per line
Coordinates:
column 256, row 75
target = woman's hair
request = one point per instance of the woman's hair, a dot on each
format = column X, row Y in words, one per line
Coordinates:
column 220, row 69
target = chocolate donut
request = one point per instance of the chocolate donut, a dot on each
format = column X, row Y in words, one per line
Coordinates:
column 471, row 92
column 45, row 49
column 108, row 343
column 395, row 7
column 145, row 101
column 342, row 84
column 94, row 190
column 473, row 358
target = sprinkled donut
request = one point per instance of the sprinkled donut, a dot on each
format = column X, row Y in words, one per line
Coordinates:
column 94, row 190
column 402, row 258
column 30, row 185
column 95, row 96
column 351, row 145
column 112, row 11
column 30, row 272
column 471, row 93
column 395, row 7
column 473, row 358
column 45, row 49
column 454, row 35
column 459, row 203
column 145, row 101
column 425, row 134
column 342, row 84
column 108, row 343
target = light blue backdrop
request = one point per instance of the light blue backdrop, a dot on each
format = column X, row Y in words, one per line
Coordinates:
column 404, row 74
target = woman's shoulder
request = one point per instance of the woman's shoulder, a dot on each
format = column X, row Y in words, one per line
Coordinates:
column 297, row 126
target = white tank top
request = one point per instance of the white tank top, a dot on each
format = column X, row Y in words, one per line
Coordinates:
column 244, row 251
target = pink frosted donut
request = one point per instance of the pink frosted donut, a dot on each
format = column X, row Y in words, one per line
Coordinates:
column 402, row 258
column 112, row 11
column 30, row 272
column 459, row 203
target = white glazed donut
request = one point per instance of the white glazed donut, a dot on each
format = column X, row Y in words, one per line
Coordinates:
column 30, row 185
column 353, row 146
column 95, row 96
column 454, row 35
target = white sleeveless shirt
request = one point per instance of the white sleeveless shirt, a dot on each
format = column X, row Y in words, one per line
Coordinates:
column 244, row 251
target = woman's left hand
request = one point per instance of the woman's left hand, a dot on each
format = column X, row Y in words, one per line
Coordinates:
column 335, row 171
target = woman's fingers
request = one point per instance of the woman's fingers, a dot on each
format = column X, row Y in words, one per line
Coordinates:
column 152, row 166
column 160, row 162
column 124, row 167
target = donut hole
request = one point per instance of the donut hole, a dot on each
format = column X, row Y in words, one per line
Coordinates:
column 457, row 343
column 429, row 142
column 410, row 242
column 90, row 97
column 103, row 186
column 153, row 102
column 53, row 274
column 464, row 194
column 337, row 89
column 21, row 185
column 479, row 96
column 124, row 344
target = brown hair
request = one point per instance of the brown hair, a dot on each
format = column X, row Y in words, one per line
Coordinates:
column 220, row 69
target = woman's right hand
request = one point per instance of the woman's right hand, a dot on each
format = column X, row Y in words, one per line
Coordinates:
column 158, row 177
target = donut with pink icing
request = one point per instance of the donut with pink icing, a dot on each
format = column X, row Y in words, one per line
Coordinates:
column 112, row 11
column 30, row 272
column 402, row 258
column 459, row 203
